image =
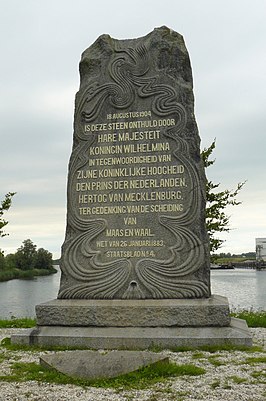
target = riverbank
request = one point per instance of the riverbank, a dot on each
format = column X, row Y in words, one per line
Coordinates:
column 11, row 274
column 230, row 376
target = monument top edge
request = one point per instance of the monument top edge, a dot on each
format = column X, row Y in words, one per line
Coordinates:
column 163, row 31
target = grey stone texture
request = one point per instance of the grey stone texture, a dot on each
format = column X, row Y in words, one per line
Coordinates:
column 136, row 338
column 213, row 311
column 135, row 261
column 98, row 365
column 136, row 183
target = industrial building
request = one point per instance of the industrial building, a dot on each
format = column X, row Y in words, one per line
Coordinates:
column 261, row 249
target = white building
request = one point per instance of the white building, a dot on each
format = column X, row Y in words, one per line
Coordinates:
column 261, row 249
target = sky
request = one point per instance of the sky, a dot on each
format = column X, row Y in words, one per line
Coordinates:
column 40, row 46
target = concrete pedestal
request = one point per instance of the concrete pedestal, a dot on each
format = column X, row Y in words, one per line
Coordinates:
column 135, row 324
column 136, row 338
column 213, row 311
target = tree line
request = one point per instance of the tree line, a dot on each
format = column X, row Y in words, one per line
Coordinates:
column 27, row 257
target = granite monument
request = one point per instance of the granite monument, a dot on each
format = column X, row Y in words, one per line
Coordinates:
column 136, row 186
column 135, row 260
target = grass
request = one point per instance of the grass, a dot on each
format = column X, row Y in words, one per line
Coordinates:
column 253, row 318
column 259, row 374
column 237, row 379
column 236, row 259
column 215, row 384
column 6, row 342
column 198, row 355
column 10, row 274
column 214, row 361
column 139, row 379
column 21, row 323
column 143, row 378
column 255, row 360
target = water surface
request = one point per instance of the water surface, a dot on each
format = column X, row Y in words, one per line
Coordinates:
column 244, row 288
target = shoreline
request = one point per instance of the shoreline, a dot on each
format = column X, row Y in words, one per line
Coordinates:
column 16, row 274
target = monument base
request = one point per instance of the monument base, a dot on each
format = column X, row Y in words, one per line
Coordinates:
column 213, row 311
column 135, row 324
column 136, row 338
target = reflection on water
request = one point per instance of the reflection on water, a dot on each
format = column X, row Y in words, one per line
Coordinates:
column 19, row 297
column 244, row 288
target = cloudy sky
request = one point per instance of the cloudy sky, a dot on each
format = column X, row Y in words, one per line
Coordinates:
column 40, row 47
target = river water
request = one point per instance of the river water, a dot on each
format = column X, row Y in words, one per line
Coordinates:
column 244, row 288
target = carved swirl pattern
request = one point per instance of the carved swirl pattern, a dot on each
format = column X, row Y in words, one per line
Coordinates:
column 149, row 278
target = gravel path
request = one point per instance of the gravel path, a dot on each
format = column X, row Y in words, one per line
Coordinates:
column 229, row 377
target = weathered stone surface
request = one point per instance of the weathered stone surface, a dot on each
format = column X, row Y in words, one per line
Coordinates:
column 213, row 311
column 135, row 261
column 136, row 338
column 98, row 365
column 136, row 184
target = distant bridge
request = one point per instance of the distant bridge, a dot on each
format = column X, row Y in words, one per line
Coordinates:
column 254, row 264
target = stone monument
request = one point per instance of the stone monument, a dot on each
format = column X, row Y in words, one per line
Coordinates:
column 135, row 260
column 136, row 208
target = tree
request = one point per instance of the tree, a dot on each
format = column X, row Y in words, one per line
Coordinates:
column 25, row 255
column 2, row 261
column 28, row 257
column 216, row 202
column 10, row 261
column 4, row 207
column 43, row 259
